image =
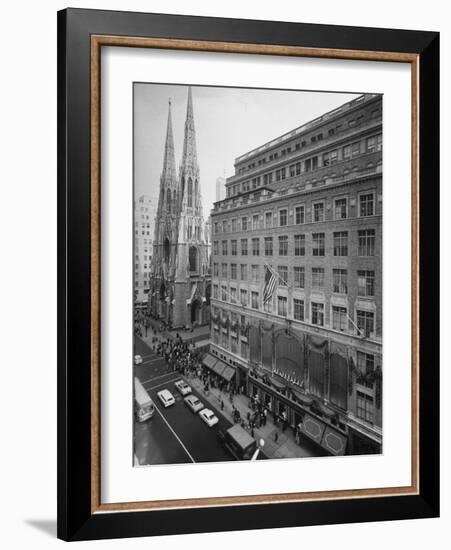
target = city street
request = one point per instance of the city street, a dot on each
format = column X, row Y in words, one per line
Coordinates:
column 173, row 435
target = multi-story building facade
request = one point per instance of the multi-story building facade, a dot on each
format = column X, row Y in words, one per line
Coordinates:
column 180, row 274
column 306, row 208
column 144, row 222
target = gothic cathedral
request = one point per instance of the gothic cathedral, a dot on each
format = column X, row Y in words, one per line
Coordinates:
column 180, row 273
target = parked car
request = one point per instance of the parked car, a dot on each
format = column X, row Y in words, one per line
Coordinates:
column 208, row 417
column 182, row 387
column 138, row 359
column 194, row 403
column 166, row 397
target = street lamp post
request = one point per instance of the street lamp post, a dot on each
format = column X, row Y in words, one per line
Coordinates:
column 260, row 445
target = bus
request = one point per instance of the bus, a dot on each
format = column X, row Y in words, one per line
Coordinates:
column 144, row 407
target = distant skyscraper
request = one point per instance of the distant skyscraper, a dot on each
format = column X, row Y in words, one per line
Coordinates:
column 144, row 221
column 180, row 277
column 220, row 188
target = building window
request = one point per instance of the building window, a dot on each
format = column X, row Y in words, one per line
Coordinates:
column 233, row 271
column 255, row 223
column 365, row 407
column 299, row 277
column 374, row 143
column 318, row 244
column 243, row 247
column 283, row 217
column 340, row 281
column 339, row 318
column 365, row 322
column 340, row 243
column 298, row 309
column 215, row 270
column 318, row 211
column 224, row 226
column 318, row 278
column 351, row 151
column 283, row 274
column 365, row 364
column 256, row 246
column 299, row 245
column 233, row 225
column 367, row 238
column 366, row 204
column 215, row 248
column 254, row 300
column 244, row 223
column 215, row 291
column 224, row 293
column 341, row 209
column 365, row 283
column 215, row 227
column 330, row 158
column 233, row 245
column 224, row 271
column 268, row 246
column 243, row 272
column 224, row 248
column 268, row 219
column 233, row 295
column 243, row 297
column 267, row 306
column 283, row 246
column 255, row 273
column 317, row 314
column 282, row 306
column 299, row 214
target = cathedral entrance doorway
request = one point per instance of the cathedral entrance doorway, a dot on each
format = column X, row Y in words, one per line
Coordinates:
column 196, row 312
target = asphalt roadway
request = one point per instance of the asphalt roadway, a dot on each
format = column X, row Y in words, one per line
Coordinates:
column 175, row 434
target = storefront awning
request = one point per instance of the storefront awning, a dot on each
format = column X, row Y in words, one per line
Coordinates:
column 334, row 441
column 329, row 438
column 302, row 398
column 209, row 361
column 312, row 428
column 278, row 385
column 228, row 373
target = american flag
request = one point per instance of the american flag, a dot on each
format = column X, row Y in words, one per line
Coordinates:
column 270, row 284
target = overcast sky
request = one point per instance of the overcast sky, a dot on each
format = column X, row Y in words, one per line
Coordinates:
column 228, row 121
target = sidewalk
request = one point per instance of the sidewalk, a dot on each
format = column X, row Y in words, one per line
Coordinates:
column 285, row 447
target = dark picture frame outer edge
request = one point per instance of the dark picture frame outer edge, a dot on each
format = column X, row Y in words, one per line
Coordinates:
column 75, row 520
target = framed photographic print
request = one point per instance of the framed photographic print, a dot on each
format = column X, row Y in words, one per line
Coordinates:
column 248, row 274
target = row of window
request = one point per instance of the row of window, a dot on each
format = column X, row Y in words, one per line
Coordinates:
column 365, row 280
column 370, row 145
column 366, row 207
column 340, row 319
column 366, row 245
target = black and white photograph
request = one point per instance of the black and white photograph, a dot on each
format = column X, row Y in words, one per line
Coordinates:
column 257, row 274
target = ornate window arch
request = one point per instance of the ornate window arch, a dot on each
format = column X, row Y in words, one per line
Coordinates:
column 190, row 192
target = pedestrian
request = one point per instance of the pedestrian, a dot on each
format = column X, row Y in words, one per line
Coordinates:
column 276, row 437
column 252, row 432
column 222, row 405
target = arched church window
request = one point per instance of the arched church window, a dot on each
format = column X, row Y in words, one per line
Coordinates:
column 190, row 192
column 193, row 258
column 169, row 201
column 175, row 201
column 166, row 249
column 196, row 189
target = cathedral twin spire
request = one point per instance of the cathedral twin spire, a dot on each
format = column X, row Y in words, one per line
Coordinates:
column 170, row 187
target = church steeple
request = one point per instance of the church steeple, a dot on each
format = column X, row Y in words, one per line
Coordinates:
column 169, row 172
column 189, row 157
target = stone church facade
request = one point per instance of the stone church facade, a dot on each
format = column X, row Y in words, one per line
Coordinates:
column 180, row 272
